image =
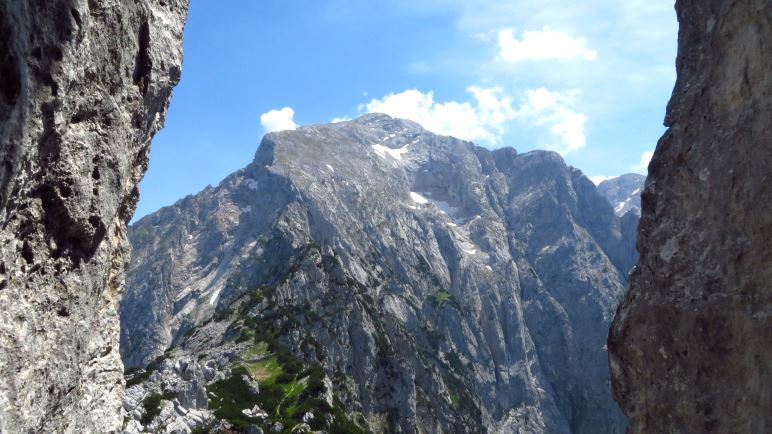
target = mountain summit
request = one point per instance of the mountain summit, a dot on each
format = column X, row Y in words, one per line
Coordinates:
column 369, row 275
column 624, row 193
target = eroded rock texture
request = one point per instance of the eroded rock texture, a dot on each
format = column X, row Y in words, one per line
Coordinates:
column 83, row 87
column 691, row 345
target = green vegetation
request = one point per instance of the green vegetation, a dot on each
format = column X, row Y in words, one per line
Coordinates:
column 440, row 297
column 137, row 375
column 288, row 387
column 152, row 406
column 230, row 396
column 265, row 371
column 455, row 400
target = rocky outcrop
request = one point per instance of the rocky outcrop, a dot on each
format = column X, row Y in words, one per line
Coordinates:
column 83, row 87
column 690, row 348
column 420, row 282
column 624, row 193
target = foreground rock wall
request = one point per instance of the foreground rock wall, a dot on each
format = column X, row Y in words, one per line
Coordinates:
column 83, row 87
column 691, row 345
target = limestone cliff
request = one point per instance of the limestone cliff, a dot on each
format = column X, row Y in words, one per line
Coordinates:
column 373, row 271
column 691, row 345
column 83, row 87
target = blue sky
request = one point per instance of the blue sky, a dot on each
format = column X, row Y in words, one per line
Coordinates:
column 588, row 80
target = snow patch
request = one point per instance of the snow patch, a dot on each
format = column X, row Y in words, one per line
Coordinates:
column 330, row 167
column 384, row 151
column 471, row 252
column 216, row 294
column 489, row 268
column 417, row 198
column 247, row 208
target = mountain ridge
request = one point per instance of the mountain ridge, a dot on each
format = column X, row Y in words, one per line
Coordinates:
column 438, row 263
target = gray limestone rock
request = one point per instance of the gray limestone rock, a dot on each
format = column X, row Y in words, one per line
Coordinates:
column 442, row 287
column 83, row 87
column 690, row 348
column 624, row 193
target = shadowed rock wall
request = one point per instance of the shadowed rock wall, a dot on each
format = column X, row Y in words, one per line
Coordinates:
column 690, row 348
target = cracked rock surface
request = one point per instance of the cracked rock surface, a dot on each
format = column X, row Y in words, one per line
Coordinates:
column 84, row 85
column 690, row 348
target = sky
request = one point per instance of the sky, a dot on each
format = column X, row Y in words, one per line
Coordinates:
column 588, row 79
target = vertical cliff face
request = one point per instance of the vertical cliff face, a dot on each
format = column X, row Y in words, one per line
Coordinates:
column 83, row 87
column 691, row 345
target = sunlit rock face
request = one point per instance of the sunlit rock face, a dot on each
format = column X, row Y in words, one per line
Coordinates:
column 624, row 193
column 691, row 345
column 422, row 283
column 83, row 87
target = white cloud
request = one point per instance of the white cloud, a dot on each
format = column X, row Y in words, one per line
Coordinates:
column 484, row 119
column 643, row 166
column 542, row 45
column 278, row 120
column 600, row 178
column 481, row 121
column 555, row 110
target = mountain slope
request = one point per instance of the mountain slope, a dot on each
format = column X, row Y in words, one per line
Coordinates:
column 423, row 284
column 624, row 193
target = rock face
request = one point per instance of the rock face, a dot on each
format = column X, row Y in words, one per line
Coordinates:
column 420, row 282
column 624, row 193
column 691, row 345
column 83, row 87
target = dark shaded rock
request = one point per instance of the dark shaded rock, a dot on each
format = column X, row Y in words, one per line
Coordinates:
column 83, row 88
column 690, row 348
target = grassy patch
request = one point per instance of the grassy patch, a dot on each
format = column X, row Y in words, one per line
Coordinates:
column 264, row 371
column 289, row 388
column 441, row 298
column 455, row 400
column 256, row 351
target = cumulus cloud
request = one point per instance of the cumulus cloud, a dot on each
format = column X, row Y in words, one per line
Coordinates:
column 554, row 111
column 600, row 178
column 465, row 120
column 484, row 118
column 278, row 120
column 542, row 45
column 644, row 164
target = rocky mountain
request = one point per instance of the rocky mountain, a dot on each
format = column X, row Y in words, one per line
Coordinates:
column 372, row 276
column 624, row 193
column 691, row 346
column 84, row 85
